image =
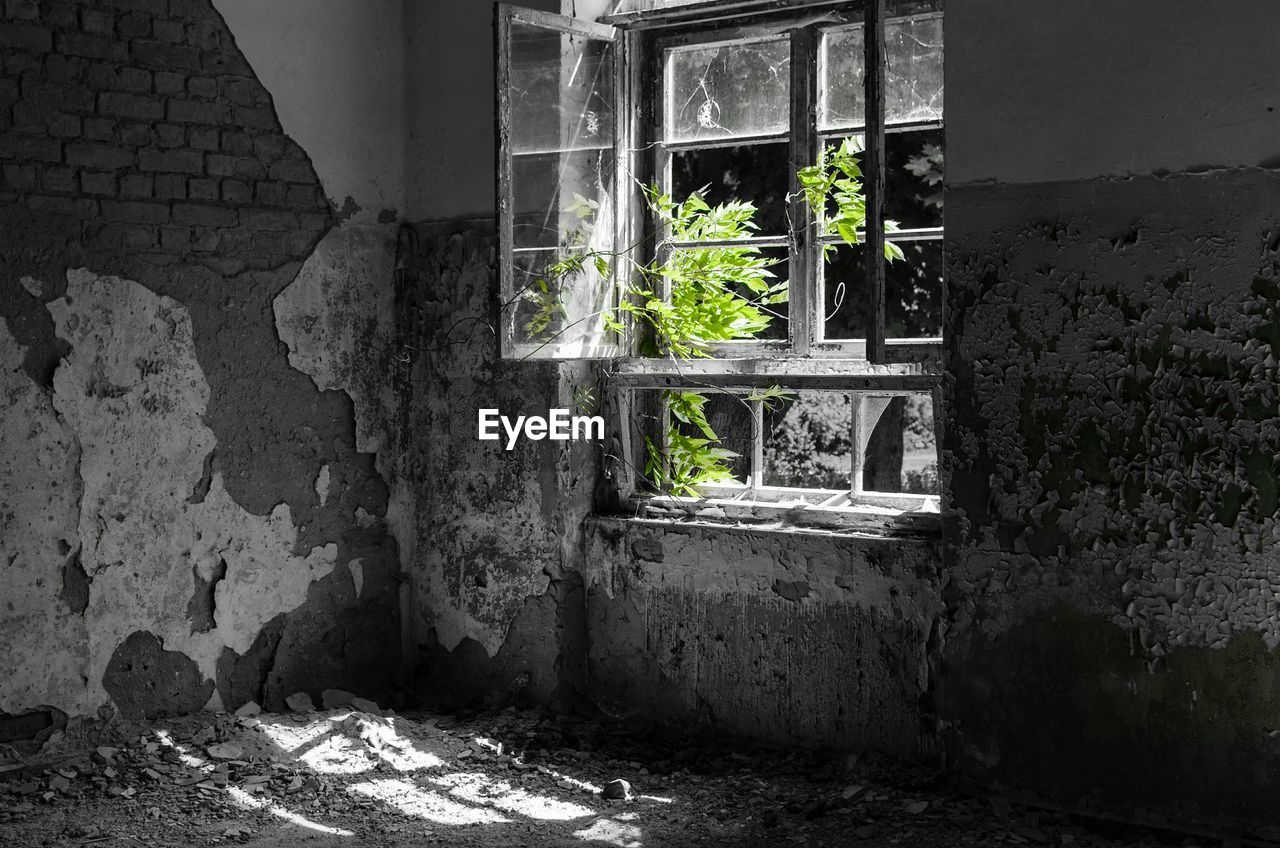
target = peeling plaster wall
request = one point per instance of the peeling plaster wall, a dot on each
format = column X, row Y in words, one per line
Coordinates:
column 187, row 517
column 1112, row 433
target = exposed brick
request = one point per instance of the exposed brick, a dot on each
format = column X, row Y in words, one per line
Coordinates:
column 304, row 197
column 270, row 194
column 41, row 149
column 62, row 68
column 270, row 147
column 234, row 191
column 79, row 207
column 226, row 63
column 19, row 176
column 227, row 266
column 204, row 138
column 97, row 21
column 134, row 25
column 17, row 63
column 202, row 189
column 175, row 240
column 291, row 171
column 235, row 166
column 58, row 180
column 172, row 161
column 205, row 216
column 8, row 91
column 60, row 15
column 62, row 125
column 171, row 135
column 138, row 135
column 134, row 212
column 99, row 129
column 65, row 96
column 100, row 184
column 134, row 79
column 314, row 220
column 22, row 10
column 204, row 35
column 31, row 117
column 26, row 37
column 157, row 54
column 268, row 244
column 136, row 186
column 237, row 143
column 171, row 187
column 153, row 7
column 141, row 238
column 102, row 77
column 239, row 91
column 265, row 219
column 129, row 106
column 167, row 30
column 200, row 10
column 170, row 82
column 203, row 87
column 206, row 239
column 255, row 119
column 197, row 112
column 100, row 157
column 91, row 46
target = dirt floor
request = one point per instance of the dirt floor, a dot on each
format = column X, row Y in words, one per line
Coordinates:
column 351, row 778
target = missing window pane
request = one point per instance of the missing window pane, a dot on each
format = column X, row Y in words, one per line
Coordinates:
column 899, row 444
column 755, row 173
column 560, row 88
column 725, row 294
column 704, row 439
column 563, row 200
column 913, row 292
column 807, row 441
column 913, row 178
column 728, row 90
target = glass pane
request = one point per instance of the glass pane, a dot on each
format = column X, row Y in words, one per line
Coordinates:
column 807, row 440
column 900, row 454
column 913, row 77
column 553, row 306
column 913, row 178
column 736, row 293
column 563, row 199
column 913, row 291
column 840, row 58
column 757, row 173
column 561, row 90
column 728, row 90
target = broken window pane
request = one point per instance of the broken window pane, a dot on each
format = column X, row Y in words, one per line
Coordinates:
column 913, row 73
column 558, row 300
column 900, row 445
column 840, row 75
column 757, row 173
column 913, row 292
column 561, row 91
column 563, row 199
column 702, row 280
column 913, row 76
column 807, row 439
column 913, row 178
column 728, row 90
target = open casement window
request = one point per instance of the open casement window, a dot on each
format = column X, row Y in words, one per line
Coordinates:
column 558, row 198
column 607, row 129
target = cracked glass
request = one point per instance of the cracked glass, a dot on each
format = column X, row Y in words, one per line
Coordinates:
column 732, row 89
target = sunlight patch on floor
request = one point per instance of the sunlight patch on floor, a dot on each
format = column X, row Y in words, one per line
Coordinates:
column 611, row 832
column 248, row 802
column 481, row 789
column 425, row 804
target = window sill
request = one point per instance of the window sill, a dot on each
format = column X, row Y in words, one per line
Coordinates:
column 862, row 520
column 797, row 373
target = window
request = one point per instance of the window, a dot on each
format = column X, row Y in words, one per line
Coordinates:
column 739, row 202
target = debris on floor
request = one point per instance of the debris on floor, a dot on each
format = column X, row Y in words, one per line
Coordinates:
column 358, row 777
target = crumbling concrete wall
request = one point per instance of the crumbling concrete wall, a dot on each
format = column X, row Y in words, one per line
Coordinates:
column 1112, row 426
column 791, row 638
column 186, row 518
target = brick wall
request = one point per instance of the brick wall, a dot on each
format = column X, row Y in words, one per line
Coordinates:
column 139, row 118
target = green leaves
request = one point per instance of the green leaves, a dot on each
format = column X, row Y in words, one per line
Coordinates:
column 836, row 178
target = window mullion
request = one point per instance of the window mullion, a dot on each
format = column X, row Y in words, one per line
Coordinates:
column 803, row 293
column 873, row 176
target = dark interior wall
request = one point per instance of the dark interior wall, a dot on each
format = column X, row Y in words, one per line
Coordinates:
column 184, row 516
column 1112, row 433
